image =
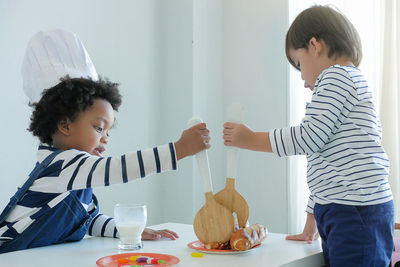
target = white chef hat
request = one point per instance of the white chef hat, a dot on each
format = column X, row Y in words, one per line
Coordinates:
column 51, row 55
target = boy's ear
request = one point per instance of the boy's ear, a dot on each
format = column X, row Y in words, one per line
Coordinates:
column 64, row 126
column 315, row 46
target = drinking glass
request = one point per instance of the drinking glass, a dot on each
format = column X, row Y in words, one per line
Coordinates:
column 130, row 220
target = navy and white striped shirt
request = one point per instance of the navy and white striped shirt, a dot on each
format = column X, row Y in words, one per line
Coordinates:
column 76, row 170
column 341, row 136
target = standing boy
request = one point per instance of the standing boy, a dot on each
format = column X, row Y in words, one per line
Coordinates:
column 348, row 169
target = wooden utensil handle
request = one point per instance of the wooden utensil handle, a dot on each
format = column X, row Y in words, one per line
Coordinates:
column 202, row 161
column 234, row 114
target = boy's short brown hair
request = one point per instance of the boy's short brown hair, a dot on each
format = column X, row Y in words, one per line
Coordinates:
column 325, row 23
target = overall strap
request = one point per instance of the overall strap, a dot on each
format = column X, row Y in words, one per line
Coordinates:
column 22, row 190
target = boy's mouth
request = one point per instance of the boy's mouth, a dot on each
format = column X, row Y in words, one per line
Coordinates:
column 98, row 151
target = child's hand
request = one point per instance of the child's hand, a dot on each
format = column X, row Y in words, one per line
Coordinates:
column 310, row 231
column 238, row 135
column 149, row 234
column 306, row 235
column 193, row 140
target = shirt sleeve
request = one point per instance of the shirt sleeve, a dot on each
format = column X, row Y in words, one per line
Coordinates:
column 81, row 170
column 310, row 205
column 104, row 226
column 334, row 98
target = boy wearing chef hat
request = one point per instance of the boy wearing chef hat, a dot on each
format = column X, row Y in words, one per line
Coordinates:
column 73, row 111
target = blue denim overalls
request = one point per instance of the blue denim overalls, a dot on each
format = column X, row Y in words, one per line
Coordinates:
column 67, row 221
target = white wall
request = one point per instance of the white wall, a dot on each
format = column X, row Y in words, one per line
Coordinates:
column 255, row 73
column 176, row 104
column 174, row 59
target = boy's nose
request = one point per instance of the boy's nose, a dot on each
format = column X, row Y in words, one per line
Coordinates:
column 104, row 139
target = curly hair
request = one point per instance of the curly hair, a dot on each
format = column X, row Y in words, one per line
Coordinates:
column 68, row 99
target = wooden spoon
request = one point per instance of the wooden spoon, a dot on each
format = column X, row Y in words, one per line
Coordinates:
column 213, row 222
column 228, row 196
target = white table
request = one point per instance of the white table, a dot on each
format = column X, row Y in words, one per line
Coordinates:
column 275, row 251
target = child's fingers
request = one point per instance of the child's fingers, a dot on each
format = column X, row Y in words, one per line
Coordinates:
column 168, row 234
column 229, row 125
column 299, row 237
column 228, row 143
column 204, row 131
column 227, row 137
column 173, row 233
column 292, row 237
column 206, row 138
column 151, row 235
column 227, row 131
column 206, row 141
column 202, row 125
column 199, row 126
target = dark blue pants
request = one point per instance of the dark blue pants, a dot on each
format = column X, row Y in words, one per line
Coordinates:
column 356, row 235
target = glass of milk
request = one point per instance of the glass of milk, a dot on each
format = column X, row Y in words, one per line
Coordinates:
column 130, row 220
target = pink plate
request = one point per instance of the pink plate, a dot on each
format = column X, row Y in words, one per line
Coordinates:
column 118, row 260
column 198, row 245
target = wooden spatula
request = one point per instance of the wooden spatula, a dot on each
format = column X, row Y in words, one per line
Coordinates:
column 228, row 196
column 213, row 222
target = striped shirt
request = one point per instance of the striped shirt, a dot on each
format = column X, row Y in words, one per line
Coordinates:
column 341, row 138
column 77, row 171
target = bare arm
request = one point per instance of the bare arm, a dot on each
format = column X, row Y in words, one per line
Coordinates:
column 239, row 135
